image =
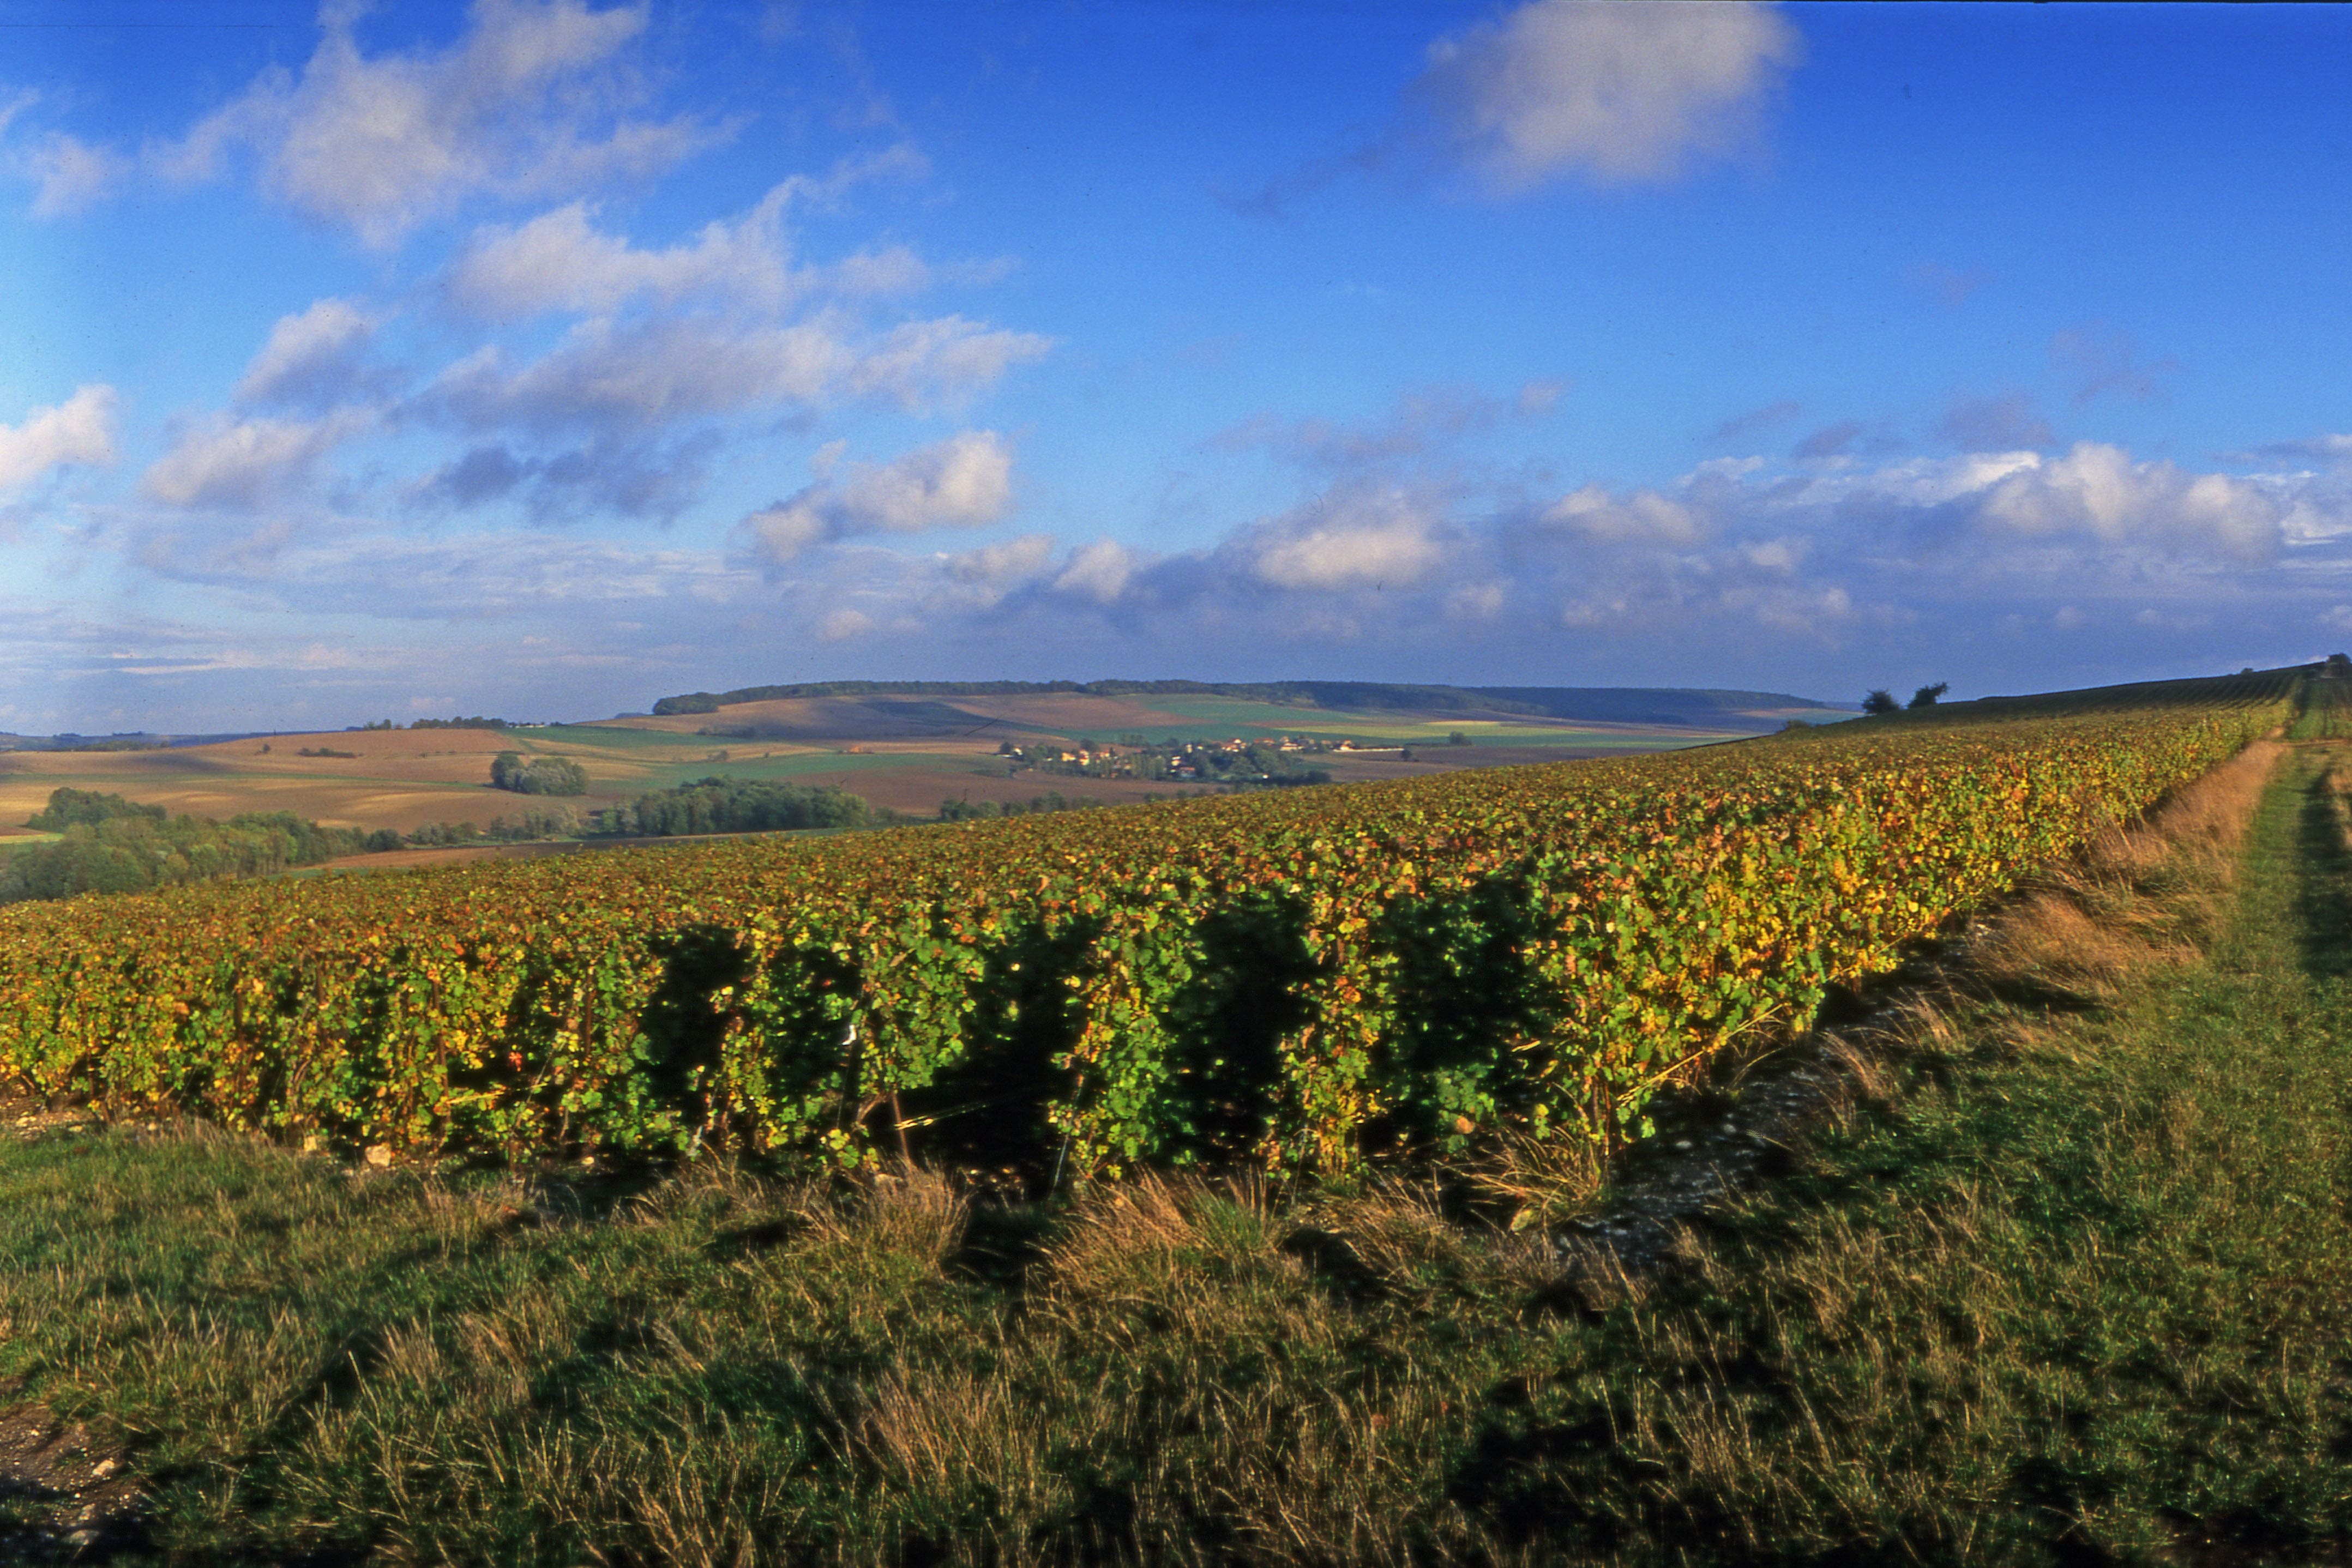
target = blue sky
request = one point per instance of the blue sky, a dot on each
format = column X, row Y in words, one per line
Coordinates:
column 543, row 358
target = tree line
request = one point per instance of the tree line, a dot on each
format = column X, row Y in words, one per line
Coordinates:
column 716, row 805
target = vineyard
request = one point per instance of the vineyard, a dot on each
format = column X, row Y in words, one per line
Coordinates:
column 1307, row 980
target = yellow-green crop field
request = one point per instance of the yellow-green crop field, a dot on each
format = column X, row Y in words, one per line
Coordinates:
column 1306, row 981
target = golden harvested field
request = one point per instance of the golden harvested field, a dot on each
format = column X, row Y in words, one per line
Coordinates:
column 905, row 753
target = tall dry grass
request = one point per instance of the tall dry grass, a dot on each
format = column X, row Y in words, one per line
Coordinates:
column 2149, row 892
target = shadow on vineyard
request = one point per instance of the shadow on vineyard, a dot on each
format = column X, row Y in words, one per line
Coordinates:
column 2050, row 1268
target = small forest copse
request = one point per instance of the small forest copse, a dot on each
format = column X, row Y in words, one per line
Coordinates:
column 1303, row 980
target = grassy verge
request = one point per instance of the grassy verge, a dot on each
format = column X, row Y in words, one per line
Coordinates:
column 2068, row 1281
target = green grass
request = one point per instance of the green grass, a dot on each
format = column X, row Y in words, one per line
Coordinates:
column 2074, row 1287
column 2326, row 711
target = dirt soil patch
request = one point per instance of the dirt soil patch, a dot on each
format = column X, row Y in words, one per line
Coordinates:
column 65, row 1492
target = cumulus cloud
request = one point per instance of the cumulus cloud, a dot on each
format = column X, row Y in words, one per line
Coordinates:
column 1100, row 571
column 982, row 577
column 1640, row 517
column 77, row 432
column 1618, row 93
column 529, row 100
column 312, row 359
column 1381, row 540
column 965, row 481
column 226, row 464
column 997, row 565
column 2100, row 490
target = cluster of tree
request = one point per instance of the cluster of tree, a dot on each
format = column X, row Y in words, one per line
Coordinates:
column 475, row 723
column 321, row 751
column 109, row 844
column 981, row 810
column 539, row 775
column 717, row 805
column 1881, row 700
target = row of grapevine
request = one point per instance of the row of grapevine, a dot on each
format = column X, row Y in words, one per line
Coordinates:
column 1304, row 979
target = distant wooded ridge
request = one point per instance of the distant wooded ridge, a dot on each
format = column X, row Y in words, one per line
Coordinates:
column 1606, row 704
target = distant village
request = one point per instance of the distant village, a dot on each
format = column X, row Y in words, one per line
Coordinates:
column 1267, row 760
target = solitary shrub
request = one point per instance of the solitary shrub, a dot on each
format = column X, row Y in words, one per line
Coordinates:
column 1925, row 695
column 1880, row 701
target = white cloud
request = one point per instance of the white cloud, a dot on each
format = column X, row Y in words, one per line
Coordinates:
column 529, row 100
column 71, row 174
column 922, row 363
column 1618, row 92
column 241, row 463
column 648, row 374
column 1100, row 571
column 559, row 261
column 1922, row 481
column 80, row 429
column 1641, row 516
column 1000, row 564
column 1376, row 540
column 2100, row 490
column 965, row 481
column 562, row 261
column 1475, row 601
column 312, row 359
column 843, row 625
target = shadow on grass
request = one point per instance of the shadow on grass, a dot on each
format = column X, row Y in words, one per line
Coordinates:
column 2322, row 900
